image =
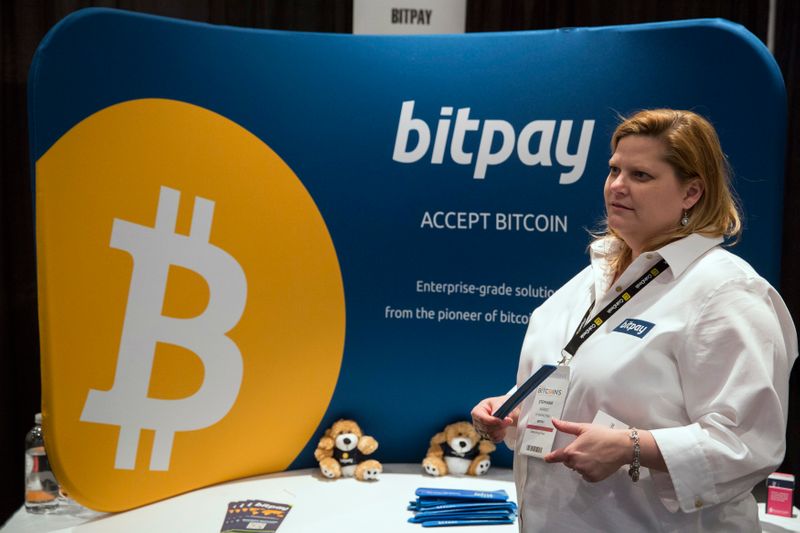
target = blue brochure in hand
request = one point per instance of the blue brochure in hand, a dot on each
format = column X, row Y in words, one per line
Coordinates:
column 524, row 390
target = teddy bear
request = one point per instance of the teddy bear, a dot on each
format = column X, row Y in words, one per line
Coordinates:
column 458, row 450
column 342, row 451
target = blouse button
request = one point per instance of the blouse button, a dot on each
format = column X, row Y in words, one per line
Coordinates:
column 618, row 289
column 698, row 503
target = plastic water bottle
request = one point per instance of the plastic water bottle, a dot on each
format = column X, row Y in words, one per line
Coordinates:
column 41, row 487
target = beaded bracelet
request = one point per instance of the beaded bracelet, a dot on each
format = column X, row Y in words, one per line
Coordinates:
column 633, row 471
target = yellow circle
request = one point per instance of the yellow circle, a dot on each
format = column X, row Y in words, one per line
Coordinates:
column 110, row 167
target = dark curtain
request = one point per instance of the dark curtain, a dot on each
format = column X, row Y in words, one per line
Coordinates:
column 491, row 15
column 787, row 53
column 23, row 23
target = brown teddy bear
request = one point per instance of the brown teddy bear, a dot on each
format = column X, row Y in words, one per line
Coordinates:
column 342, row 451
column 458, row 450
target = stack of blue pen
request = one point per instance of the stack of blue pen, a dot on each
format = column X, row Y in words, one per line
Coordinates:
column 455, row 507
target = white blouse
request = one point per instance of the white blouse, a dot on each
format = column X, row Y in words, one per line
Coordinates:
column 709, row 378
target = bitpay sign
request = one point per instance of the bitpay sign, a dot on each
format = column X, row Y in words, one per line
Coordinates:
column 244, row 233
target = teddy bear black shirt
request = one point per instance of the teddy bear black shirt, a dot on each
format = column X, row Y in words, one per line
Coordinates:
column 353, row 457
column 450, row 452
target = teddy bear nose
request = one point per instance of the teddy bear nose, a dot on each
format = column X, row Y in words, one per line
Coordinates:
column 462, row 443
column 346, row 440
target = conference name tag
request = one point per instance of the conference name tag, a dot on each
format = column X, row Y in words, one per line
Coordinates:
column 548, row 402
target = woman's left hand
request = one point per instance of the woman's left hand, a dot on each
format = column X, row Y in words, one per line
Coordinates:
column 596, row 453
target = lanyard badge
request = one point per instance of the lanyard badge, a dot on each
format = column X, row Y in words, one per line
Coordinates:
column 551, row 396
column 548, row 402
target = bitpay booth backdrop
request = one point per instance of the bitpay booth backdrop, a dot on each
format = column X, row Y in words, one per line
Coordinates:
column 245, row 235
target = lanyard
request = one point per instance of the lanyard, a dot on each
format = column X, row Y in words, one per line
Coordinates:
column 585, row 329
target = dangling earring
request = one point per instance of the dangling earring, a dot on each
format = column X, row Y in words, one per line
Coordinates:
column 685, row 219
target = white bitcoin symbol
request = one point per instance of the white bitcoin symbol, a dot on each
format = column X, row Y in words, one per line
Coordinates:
column 126, row 405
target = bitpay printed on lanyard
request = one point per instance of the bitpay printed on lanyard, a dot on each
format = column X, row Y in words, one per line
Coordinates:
column 551, row 396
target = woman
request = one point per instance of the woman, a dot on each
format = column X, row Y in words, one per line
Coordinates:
column 696, row 363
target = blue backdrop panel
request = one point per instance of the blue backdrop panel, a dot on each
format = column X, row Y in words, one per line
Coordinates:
column 390, row 134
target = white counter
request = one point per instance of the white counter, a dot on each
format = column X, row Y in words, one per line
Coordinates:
column 318, row 505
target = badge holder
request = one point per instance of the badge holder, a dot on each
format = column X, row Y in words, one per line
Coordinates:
column 539, row 432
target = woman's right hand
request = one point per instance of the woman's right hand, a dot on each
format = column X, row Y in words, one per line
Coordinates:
column 489, row 426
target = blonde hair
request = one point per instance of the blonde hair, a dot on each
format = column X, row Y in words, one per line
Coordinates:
column 692, row 149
